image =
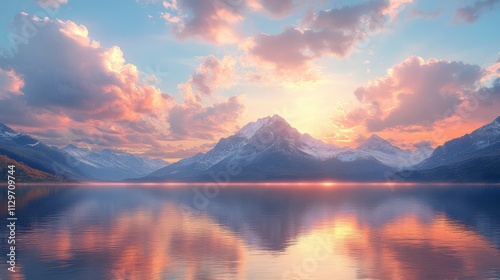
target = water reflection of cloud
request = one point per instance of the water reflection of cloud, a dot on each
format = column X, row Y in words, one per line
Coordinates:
column 261, row 235
column 144, row 245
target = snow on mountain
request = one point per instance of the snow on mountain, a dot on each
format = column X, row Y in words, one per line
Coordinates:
column 304, row 142
column 10, row 135
column 32, row 145
column 391, row 155
column 383, row 151
column 14, row 138
column 7, row 132
column 377, row 144
column 250, row 129
column 317, row 148
column 270, row 149
column 109, row 165
column 272, row 137
column 267, row 131
column 374, row 147
column 486, row 135
column 35, row 154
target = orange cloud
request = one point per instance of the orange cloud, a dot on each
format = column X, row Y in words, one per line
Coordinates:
column 421, row 100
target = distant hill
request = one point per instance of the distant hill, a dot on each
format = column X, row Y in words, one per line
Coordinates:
column 109, row 165
column 25, row 174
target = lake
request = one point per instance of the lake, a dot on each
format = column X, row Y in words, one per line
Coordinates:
column 308, row 231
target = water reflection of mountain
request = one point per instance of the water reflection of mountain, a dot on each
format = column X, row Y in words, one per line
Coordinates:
column 272, row 219
column 123, row 232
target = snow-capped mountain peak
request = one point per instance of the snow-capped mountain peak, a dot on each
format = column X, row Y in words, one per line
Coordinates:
column 388, row 154
column 376, row 143
column 249, row 130
column 6, row 131
column 486, row 135
column 4, row 128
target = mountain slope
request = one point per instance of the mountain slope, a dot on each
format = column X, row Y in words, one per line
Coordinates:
column 384, row 152
column 109, row 165
column 474, row 157
column 73, row 162
column 482, row 169
column 35, row 154
column 270, row 149
column 466, row 147
column 25, row 174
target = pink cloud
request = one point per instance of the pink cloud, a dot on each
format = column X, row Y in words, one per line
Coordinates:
column 213, row 73
column 65, row 82
column 210, row 20
column 279, row 8
column 417, row 92
column 10, row 83
column 193, row 120
column 424, row 100
column 78, row 78
column 329, row 32
column 217, row 20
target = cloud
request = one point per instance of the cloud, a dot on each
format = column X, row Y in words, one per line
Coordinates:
column 471, row 13
column 492, row 71
column 65, row 71
column 279, row 8
column 213, row 73
column 416, row 92
column 65, row 82
column 217, row 21
column 417, row 13
column 417, row 100
column 210, row 20
column 193, row 120
column 10, row 84
column 51, row 3
column 424, row 144
column 329, row 32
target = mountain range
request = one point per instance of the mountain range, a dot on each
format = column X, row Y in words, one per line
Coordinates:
column 269, row 149
column 474, row 157
column 73, row 162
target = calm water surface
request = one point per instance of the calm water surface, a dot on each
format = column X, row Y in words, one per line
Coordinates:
column 256, row 232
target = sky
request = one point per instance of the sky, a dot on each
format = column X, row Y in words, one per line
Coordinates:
column 168, row 79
